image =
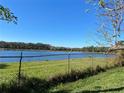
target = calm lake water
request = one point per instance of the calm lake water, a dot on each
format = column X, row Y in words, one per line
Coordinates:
column 46, row 58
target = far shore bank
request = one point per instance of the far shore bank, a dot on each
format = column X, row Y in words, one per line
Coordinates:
column 4, row 49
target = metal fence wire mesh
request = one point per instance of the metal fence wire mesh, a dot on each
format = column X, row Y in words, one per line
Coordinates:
column 45, row 67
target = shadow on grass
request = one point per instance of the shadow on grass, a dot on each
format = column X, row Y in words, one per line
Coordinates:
column 104, row 91
column 3, row 66
column 27, row 85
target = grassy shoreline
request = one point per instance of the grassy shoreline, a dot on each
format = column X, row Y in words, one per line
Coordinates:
column 48, row 69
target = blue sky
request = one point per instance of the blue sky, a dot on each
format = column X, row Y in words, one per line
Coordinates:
column 55, row 22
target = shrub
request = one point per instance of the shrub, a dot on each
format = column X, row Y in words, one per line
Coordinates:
column 119, row 61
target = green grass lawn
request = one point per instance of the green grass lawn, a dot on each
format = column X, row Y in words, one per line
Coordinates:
column 111, row 81
column 47, row 69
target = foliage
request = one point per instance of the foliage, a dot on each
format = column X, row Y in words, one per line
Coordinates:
column 95, row 49
column 7, row 15
column 21, row 45
column 41, row 46
column 120, row 57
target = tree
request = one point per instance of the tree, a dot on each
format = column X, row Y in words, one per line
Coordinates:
column 112, row 14
column 7, row 15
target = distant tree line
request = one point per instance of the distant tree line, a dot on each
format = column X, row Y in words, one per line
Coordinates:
column 41, row 46
column 22, row 45
column 95, row 49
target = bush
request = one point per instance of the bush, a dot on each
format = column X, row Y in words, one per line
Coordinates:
column 119, row 58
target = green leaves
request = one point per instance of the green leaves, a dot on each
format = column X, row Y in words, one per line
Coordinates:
column 102, row 3
column 7, row 15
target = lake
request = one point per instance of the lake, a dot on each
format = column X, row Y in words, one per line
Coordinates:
column 64, row 55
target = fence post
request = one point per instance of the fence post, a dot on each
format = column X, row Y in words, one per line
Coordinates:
column 92, row 62
column 106, row 59
column 19, row 74
column 91, row 59
column 68, row 63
